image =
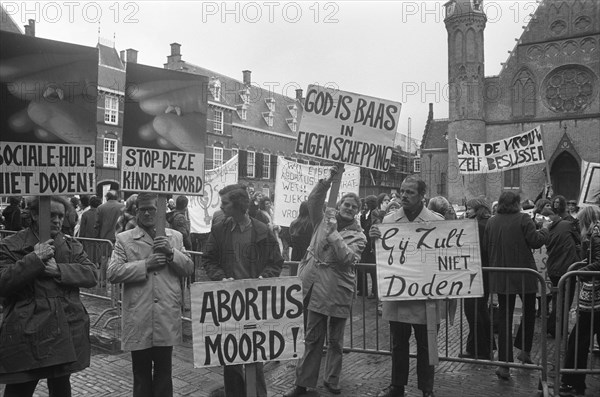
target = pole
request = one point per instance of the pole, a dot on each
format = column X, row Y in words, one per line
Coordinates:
column 335, row 186
column 161, row 212
column 431, row 315
column 44, row 218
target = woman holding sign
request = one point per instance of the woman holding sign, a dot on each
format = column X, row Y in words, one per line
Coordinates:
column 328, row 282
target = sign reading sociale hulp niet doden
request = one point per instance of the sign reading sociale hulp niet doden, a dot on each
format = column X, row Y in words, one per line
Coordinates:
column 348, row 128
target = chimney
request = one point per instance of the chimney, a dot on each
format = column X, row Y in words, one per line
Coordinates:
column 299, row 94
column 122, row 55
column 430, row 115
column 247, row 77
column 175, row 56
column 131, row 55
column 30, row 28
column 175, row 49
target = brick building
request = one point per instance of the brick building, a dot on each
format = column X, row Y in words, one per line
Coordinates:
column 550, row 79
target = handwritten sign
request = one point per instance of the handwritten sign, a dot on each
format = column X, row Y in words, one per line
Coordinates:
column 348, row 128
column 202, row 209
column 46, row 169
column 506, row 154
column 247, row 321
column 541, row 258
column 590, row 191
column 164, row 131
column 295, row 181
column 429, row 260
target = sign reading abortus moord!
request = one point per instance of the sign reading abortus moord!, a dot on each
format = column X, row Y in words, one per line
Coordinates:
column 429, row 260
column 348, row 128
column 247, row 321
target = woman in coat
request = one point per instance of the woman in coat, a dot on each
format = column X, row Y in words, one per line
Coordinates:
column 581, row 334
column 508, row 241
column 328, row 282
column 45, row 330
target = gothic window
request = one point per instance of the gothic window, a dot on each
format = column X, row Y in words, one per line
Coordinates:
column 523, row 95
column 569, row 89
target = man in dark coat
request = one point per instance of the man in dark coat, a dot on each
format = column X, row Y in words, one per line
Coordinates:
column 45, row 329
column 12, row 214
column 368, row 255
column 241, row 247
column 108, row 214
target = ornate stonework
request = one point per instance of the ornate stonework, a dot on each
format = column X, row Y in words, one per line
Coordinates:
column 569, row 89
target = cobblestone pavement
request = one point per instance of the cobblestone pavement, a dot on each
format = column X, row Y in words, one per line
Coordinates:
column 363, row 374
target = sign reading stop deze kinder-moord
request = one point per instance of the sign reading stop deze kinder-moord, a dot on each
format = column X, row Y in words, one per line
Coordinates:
column 164, row 131
column 348, row 128
column 429, row 260
column 247, row 321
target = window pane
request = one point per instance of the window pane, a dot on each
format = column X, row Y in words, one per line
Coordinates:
column 250, row 165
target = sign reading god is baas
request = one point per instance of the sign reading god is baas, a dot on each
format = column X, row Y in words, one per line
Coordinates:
column 517, row 151
column 164, row 131
column 429, row 260
column 48, row 118
column 348, row 128
column 247, row 321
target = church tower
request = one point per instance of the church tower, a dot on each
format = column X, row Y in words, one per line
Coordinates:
column 465, row 22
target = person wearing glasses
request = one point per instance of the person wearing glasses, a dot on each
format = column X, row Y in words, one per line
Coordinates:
column 150, row 267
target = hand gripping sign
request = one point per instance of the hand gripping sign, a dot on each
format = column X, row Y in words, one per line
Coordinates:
column 247, row 321
column 429, row 260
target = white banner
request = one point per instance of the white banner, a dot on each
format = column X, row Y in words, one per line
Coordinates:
column 202, row 208
column 429, row 260
column 517, row 151
column 247, row 321
column 295, row 181
column 348, row 128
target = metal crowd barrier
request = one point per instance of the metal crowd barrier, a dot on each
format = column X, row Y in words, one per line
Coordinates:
column 567, row 326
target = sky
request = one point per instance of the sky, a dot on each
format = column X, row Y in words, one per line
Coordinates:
column 392, row 50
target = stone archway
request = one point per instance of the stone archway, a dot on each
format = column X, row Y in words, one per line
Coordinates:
column 565, row 175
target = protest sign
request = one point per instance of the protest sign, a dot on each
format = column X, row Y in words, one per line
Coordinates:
column 48, row 118
column 202, row 209
column 541, row 258
column 429, row 260
column 295, row 181
column 247, row 321
column 164, row 131
column 506, row 154
column 590, row 191
column 348, row 128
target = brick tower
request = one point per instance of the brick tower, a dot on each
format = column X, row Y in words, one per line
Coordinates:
column 465, row 22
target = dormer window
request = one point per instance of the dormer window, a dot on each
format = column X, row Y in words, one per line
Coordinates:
column 242, row 111
column 270, row 104
column 293, row 124
column 268, row 116
column 215, row 89
column 293, row 110
column 245, row 96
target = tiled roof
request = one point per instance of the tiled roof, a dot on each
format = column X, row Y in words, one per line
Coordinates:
column 108, row 56
column 434, row 136
column 230, row 96
column 7, row 23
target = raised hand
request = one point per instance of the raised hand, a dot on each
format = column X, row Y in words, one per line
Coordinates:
column 155, row 262
column 44, row 250
column 162, row 246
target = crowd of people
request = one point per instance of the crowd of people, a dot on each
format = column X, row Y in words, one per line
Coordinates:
column 245, row 243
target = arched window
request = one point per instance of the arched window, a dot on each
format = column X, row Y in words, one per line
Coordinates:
column 523, row 95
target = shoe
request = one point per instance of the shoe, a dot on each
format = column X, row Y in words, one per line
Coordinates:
column 392, row 391
column 296, row 391
column 332, row 389
column 503, row 373
column 569, row 391
column 428, row 394
column 524, row 357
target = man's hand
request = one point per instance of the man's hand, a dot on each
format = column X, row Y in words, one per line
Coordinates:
column 333, row 171
column 51, row 268
column 330, row 220
column 162, row 246
column 44, row 250
column 155, row 262
column 374, row 232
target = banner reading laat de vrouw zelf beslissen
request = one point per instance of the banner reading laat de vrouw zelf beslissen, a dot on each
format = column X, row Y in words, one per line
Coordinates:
column 348, row 128
column 429, row 260
column 48, row 100
column 247, row 321
column 517, row 151
column 164, row 131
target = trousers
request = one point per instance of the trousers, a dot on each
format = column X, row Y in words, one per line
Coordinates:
column 146, row 382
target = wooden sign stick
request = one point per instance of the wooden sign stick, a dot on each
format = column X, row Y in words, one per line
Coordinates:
column 335, row 186
column 44, row 219
column 431, row 315
column 250, row 379
column 161, row 214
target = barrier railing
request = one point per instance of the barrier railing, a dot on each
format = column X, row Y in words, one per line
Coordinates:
column 580, row 339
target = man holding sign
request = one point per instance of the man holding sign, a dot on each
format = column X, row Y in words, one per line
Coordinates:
column 238, row 248
column 406, row 314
